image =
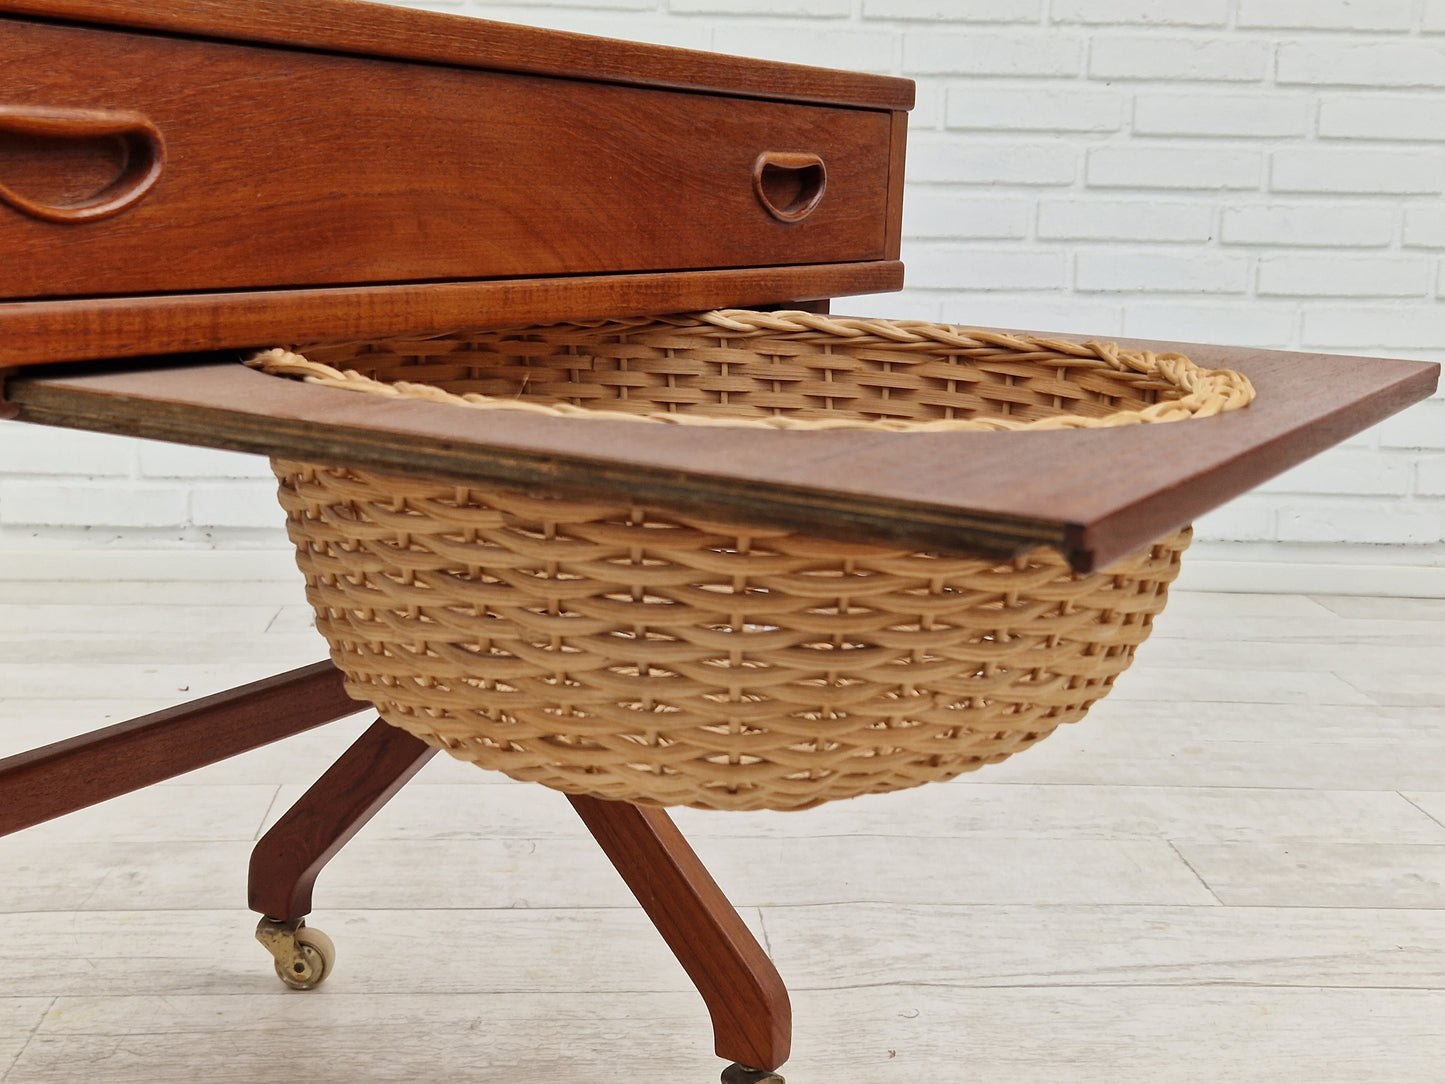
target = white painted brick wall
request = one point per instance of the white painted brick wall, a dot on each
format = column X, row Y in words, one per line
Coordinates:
column 975, row 11
column 1171, row 60
column 1231, row 115
column 1327, row 14
column 1373, row 62
column 954, row 160
column 1325, row 224
column 1261, row 172
column 1431, row 477
column 1014, row 110
column 1395, row 117
column 1364, row 170
column 1142, row 165
column 1147, row 12
column 1308, row 275
column 1425, row 227
column 1124, row 220
column 976, row 52
column 1172, row 272
column 59, row 487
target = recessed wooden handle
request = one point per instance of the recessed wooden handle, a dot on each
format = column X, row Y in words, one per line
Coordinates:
column 39, row 133
column 788, row 184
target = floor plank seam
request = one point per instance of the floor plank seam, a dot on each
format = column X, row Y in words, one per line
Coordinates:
column 1197, row 984
column 399, row 907
column 966, row 905
column 874, row 904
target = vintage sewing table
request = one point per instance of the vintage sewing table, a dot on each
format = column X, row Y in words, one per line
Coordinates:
column 182, row 181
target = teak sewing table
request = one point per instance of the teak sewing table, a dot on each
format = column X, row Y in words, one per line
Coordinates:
column 184, row 180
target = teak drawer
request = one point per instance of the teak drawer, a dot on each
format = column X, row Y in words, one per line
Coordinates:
column 286, row 167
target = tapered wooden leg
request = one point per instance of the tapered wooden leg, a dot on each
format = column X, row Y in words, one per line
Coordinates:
column 748, row 1003
column 288, row 858
column 751, row 1015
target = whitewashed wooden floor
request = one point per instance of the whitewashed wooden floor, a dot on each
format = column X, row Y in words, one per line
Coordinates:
column 1234, row 870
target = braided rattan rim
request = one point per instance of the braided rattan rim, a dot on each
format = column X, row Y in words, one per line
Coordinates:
column 1191, row 391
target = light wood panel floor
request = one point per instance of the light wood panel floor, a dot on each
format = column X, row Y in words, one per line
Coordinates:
column 1234, row 870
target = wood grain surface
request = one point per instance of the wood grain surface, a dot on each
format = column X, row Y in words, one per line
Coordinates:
column 1094, row 494
column 287, row 168
column 343, row 26
column 751, row 1014
column 37, row 332
column 77, row 772
column 287, row 860
column 897, row 160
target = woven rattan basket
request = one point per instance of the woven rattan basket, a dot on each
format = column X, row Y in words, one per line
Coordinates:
column 632, row 653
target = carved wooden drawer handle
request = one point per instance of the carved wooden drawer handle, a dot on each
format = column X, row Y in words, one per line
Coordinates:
column 131, row 141
column 789, row 185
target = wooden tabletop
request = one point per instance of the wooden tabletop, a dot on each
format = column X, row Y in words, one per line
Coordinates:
column 382, row 30
column 1096, row 495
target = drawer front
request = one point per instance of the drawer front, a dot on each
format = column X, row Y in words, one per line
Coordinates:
column 132, row 163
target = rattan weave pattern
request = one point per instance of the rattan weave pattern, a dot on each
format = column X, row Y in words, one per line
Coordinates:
column 781, row 370
column 632, row 653
column 622, row 652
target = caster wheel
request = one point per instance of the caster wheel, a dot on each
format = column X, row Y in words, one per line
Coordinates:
column 311, row 962
column 304, row 956
column 741, row 1074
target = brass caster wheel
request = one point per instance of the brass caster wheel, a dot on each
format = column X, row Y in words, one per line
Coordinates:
column 304, row 957
column 741, row 1074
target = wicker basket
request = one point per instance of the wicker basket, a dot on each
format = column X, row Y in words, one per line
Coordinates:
column 632, row 653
